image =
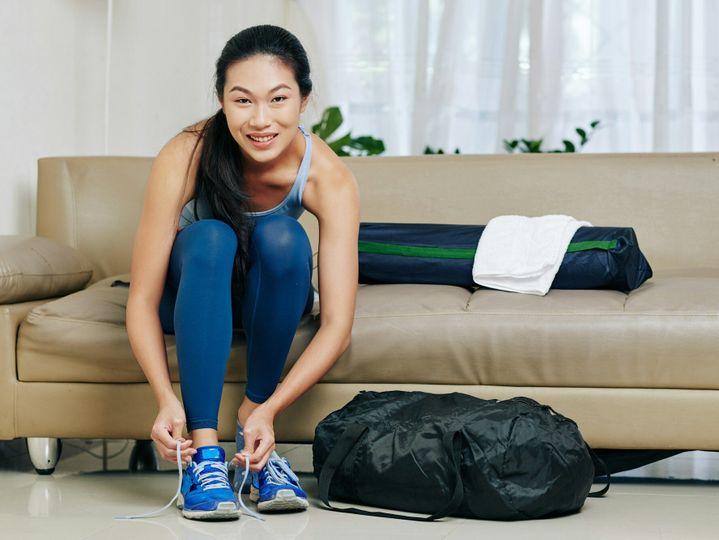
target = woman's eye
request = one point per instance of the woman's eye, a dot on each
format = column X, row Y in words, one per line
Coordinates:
column 281, row 97
column 241, row 100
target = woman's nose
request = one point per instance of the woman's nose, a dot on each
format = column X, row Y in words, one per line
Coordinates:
column 260, row 116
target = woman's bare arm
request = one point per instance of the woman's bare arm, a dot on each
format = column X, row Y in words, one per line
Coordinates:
column 167, row 190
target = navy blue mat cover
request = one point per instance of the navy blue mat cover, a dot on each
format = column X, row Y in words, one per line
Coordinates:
column 597, row 257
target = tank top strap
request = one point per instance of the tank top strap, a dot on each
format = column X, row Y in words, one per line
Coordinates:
column 303, row 173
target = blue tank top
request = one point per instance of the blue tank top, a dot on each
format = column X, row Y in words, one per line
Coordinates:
column 291, row 205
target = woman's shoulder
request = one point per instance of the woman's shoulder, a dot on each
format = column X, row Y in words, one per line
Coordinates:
column 325, row 163
column 184, row 143
column 179, row 158
column 328, row 172
column 184, row 148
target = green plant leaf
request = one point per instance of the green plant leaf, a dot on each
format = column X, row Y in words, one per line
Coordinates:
column 366, row 145
column 535, row 146
column 338, row 144
column 524, row 145
column 345, row 145
column 510, row 146
column 328, row 124
column 582, row 134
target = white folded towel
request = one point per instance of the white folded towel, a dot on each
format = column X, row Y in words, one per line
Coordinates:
column 523, row 254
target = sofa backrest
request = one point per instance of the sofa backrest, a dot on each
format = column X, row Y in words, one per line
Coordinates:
column 670, row 199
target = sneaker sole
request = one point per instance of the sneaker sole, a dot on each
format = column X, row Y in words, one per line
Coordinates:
column 224, row 511
column 284, row 500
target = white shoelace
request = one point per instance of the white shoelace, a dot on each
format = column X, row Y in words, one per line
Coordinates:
column 239, row 493
column 209, row 480
column 278, row 470
column 212, row 479
column 177, row 493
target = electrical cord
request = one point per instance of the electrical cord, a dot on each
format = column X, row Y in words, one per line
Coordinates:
column 98, row 456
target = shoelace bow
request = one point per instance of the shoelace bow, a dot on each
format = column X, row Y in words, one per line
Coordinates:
column 204, row 478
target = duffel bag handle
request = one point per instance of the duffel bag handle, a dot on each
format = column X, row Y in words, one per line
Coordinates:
column 605, row 469
column 452, row 442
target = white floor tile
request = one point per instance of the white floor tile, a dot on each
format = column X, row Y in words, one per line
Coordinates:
column 79, row 502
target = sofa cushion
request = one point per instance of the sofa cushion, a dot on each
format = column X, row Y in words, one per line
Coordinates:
column 33, row 268
column 82, row 338
column 664, row 334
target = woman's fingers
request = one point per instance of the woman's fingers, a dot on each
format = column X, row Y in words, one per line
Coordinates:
column 162, row 437
column 167, row 446
column 257, row 459
column 187, row 449
column 177, row 425
column 259, row 440
column 262, row 452
column 185, row 455
column 238, row 460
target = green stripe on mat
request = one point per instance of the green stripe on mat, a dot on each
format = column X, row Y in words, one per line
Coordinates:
column 592, row 244
column 461, row 253
column 416, row 251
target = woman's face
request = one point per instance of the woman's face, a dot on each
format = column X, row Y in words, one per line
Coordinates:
column 261, row 97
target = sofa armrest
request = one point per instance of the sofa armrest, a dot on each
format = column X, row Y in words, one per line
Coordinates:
column 11, row 316
column 34, row 268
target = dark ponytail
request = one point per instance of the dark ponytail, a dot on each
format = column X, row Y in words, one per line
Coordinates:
column 219, row 175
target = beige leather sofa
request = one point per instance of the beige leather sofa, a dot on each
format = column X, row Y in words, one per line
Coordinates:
column 637, row 370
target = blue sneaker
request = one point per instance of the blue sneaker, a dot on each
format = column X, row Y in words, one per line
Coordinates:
column 206, row 492
column 276, row 488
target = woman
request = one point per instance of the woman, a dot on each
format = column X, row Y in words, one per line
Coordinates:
column 219, row 247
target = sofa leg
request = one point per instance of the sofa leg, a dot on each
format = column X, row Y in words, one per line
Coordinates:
column 143, row 458
column 44, row 453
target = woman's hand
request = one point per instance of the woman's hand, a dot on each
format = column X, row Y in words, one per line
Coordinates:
column 168, row 430
column 259, row 439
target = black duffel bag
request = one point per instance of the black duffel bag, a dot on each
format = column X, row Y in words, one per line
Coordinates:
column 443, row 254
column 452, row 454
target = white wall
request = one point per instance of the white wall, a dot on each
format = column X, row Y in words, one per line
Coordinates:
column 51, row 83
column 52, row 91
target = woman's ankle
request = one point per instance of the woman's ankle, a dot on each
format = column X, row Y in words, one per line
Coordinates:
column 204, row 437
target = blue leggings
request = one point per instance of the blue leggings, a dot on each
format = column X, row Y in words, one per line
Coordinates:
column 197, row 307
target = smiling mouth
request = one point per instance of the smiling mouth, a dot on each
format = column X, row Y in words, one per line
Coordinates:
column 262, row 139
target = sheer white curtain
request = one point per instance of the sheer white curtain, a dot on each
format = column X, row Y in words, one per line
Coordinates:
column 468, row 73
column 445, row 73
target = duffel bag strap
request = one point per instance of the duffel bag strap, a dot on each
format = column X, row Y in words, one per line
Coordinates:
column 452, row 442
column 599, row 460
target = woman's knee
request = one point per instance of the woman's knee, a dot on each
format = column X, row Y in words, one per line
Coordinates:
column 208, row 241
column 282, row 243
